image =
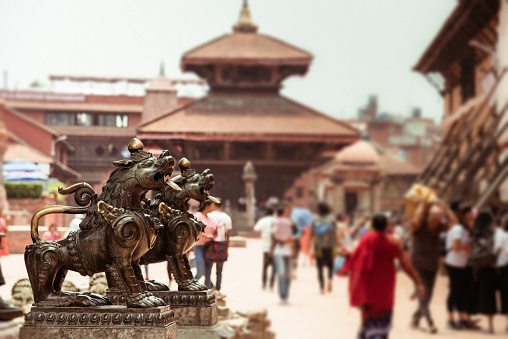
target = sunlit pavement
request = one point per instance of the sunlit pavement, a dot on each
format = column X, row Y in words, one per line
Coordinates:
column 309, row 314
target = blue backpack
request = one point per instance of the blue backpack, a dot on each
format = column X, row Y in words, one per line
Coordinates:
column 324, row 232
column 321, row 227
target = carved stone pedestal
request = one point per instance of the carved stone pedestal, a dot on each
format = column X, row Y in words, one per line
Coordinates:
column 196, row 313
column 99, row 322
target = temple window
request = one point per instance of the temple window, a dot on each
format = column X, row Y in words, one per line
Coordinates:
column 248, row 150
column 283, row 152
column 87, row 119
column 113, row 120
column 210, row 151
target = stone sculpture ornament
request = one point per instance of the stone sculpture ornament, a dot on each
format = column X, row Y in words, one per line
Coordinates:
column 181, row 229
column 118, row 229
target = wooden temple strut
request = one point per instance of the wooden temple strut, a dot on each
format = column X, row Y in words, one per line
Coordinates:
column 438, row 155
column 482, row 145
column 490, row 152
column 453, row 150
column 500, row 176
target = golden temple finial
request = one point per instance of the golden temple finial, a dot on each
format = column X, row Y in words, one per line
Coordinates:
column 245, row 23
column 245, row 18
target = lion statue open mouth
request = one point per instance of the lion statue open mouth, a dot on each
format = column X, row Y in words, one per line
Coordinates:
column 118, row 230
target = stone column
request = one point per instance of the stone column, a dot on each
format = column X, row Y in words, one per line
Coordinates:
column 375, row 195
column 227, row 150
column 4, row 135
column 249, row 177
column 338, row 205
column 269, row 151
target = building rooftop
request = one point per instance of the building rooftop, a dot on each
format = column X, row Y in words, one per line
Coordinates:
column 456, row 33
column 248, row 117
column 245, row 45
column 359, row 153
column 76, row 106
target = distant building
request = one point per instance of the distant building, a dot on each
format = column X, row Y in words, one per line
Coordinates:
column 244, row 117
column 86, row 132
column 413, row 138
column 361, row 179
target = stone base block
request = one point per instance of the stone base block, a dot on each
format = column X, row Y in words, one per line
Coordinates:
column 99, row 322
column 218, row 331
column 191, row 308
column 9, row 330
column 237, row 241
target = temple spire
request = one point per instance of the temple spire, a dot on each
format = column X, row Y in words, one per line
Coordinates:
column 245, row 23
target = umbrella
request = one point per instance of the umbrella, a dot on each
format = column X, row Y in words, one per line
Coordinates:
column 20, row 165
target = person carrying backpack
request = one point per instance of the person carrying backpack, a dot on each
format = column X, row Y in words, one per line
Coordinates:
column 324, row 237
column 482, row 260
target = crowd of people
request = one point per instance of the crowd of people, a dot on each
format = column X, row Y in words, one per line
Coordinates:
column 368, row 250
column 467, row 242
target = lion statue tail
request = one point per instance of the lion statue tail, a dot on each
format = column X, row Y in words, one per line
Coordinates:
column 34, row 226
column 84, row 194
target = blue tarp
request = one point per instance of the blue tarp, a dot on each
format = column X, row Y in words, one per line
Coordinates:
column 25, row 176
column 20, row 165
column 22, row 170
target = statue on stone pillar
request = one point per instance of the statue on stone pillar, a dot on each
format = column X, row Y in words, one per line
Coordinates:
column 249, row 176
column 118, row 229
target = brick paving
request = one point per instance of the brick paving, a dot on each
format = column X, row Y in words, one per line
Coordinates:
column 309, row 314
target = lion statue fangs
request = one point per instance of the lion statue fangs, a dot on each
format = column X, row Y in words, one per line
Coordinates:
column 97, row 247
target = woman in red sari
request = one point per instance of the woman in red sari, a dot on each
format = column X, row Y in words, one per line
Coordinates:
column 371, row 269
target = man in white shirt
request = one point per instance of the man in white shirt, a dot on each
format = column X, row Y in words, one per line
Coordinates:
column 264, row 226
column 224, row 226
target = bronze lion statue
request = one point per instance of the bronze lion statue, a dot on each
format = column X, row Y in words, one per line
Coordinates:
column 118, row 229
column 181, row 229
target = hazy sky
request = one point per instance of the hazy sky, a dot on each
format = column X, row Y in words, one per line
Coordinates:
column 360, row 47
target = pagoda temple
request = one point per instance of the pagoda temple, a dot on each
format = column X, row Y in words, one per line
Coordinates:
column 245, row 118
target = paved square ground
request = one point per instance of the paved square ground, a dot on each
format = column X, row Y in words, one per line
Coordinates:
column 309, row 314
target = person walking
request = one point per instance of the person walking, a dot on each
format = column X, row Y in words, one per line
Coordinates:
column 324, row 241
column 483, row 261
column 458, row 247
column 264, row 226
column 7, row 311
column 203, row 267
column 282, row 250
column 224, row 226
column 53, row 234
column 372, row 278
column 501, row 246
column 427, row 223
